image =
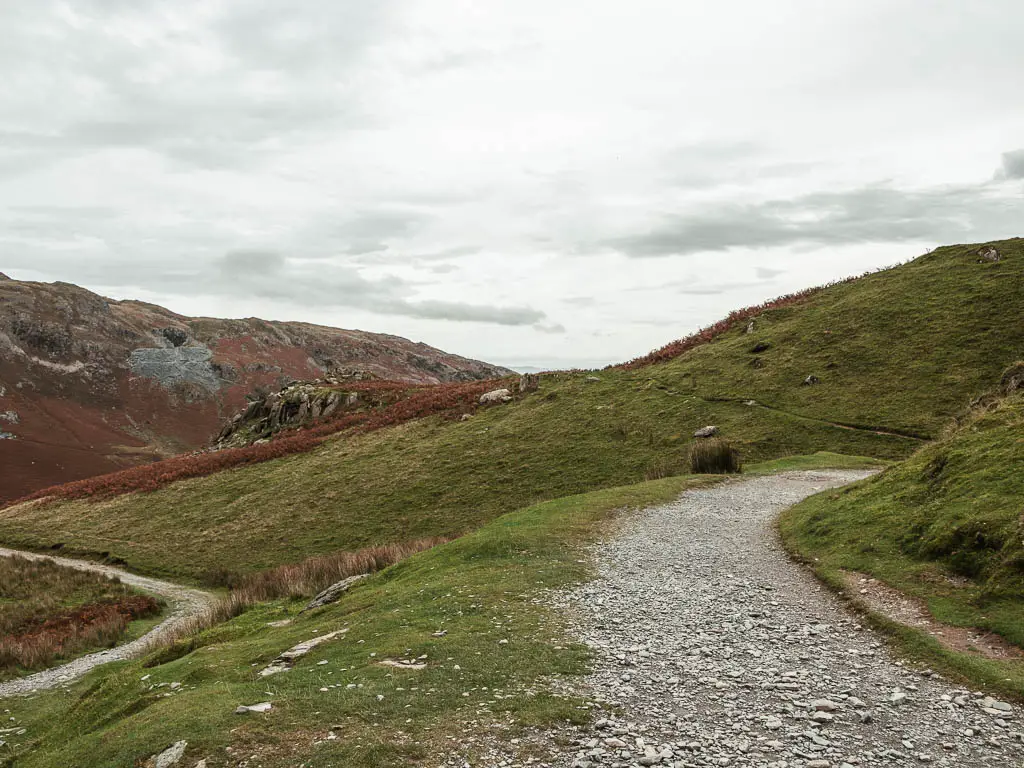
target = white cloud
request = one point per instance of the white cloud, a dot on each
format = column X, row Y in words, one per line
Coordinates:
column 484, row 177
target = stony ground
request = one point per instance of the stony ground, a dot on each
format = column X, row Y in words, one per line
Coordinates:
column 184, row 603
column 714, row 649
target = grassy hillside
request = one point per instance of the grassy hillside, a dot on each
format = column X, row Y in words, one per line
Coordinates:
column 946, row 526
column 896, row 354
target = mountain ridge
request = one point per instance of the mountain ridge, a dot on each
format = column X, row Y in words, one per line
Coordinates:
column 97, row 384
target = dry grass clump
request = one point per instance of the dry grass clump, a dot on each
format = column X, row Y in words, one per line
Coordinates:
column 714, row 456
column 298, row 580
column 667, row 466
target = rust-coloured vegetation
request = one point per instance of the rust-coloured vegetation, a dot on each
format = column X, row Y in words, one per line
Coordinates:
column 87, row 627
column 397, row 403
column 51, row 612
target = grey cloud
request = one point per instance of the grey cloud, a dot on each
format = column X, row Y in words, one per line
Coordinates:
column 767, row 273
column 549, row 327
column 579, row 301
column 223, row 117
column 872, row 214
column 447, row 310
column 237, row 264
column 327, row 285
column 1013, row 165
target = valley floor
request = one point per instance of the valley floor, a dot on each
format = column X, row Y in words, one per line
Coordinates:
column 714, row 649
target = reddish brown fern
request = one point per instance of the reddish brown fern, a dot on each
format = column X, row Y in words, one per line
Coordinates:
column 735, row 318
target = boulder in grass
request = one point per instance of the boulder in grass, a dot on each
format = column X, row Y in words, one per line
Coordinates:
column 265, row 706
column 709, row 431
column 170, row 756
column 988, row 253
column 333, row 592
column 495, row 397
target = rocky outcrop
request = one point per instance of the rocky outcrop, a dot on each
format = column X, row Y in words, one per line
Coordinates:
column 988, row 253
column 708, row 431
column 100, row 384
column 292, row 406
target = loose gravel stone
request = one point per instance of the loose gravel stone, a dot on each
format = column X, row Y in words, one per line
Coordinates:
column 714, row 649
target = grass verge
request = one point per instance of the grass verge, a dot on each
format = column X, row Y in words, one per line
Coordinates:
column 946, row 527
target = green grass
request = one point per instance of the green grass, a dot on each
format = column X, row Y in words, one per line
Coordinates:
column 900, row 351
column 480, row 589
column 946, row 526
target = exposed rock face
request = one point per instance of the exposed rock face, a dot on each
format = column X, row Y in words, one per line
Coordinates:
column 171, row 756
column 175, row 366
column 528, row 382
column 1012, row 378
column 98, row 385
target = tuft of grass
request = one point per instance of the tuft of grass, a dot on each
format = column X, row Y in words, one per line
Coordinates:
column 293, row 581
column 714, row 456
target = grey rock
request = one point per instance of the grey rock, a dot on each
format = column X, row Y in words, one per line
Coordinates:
column 245, row 709
column 495, row 397
column 528, row 382
column 170, row 756
column 988, row 253
column 708, row 431
column 334, row 592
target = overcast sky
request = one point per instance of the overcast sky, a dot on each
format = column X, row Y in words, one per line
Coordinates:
column 525, row 181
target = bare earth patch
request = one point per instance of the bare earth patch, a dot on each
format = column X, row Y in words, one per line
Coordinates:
column 912, row 612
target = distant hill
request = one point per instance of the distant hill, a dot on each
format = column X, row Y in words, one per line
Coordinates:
column 874, row 367
column 89, row 385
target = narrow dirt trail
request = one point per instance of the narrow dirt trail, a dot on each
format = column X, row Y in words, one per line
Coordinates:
column 184, row 603
column 714, row 649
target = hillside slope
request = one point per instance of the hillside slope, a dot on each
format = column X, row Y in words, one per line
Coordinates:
column 894, row 355
column 89, row 385
column 947, row 525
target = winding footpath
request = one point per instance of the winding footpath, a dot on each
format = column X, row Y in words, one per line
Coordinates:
column 714, row 649
column 184, row 603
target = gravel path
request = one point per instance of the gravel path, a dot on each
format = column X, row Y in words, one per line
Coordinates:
column 716, row 650
column 184, row 602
